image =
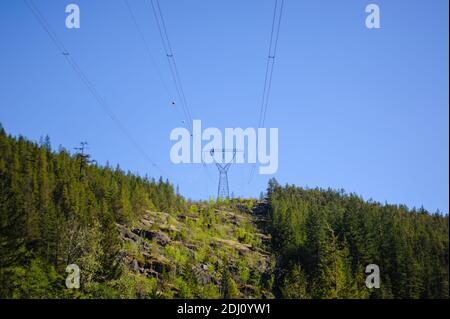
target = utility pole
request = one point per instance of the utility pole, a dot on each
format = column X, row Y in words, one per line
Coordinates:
column 84, row 158
column 223, row 191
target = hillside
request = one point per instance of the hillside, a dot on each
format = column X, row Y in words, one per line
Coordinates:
column 135, row 237
column 132, row 237
column 327, row 238
column 188, row 255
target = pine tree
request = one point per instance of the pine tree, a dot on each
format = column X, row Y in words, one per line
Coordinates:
column 228, row 286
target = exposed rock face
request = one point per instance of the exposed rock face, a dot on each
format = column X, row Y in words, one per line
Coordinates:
column 202, row 275
column 126, row 234
column 158, row 264
column 155, row 245
column 160, row 237
column 261, row 208
column 151, row 264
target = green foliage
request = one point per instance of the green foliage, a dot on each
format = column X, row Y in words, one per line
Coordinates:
column 294, row 284
column 178, row 254
column 51, row 216
column 322, row 239
column 228, row 286
column 327, row 238
column 127, row 286
column 37, row 280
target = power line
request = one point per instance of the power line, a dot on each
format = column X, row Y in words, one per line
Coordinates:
column 275, row 32
column 89, row 85
column 274, row 35
column 152, row 59
column 161, row 25
column 148, row 50
column 147, row 47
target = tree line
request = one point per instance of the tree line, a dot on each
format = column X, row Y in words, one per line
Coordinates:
column 51, row 216
column 324, row 239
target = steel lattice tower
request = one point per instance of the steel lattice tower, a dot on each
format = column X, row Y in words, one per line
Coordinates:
column 223, row 191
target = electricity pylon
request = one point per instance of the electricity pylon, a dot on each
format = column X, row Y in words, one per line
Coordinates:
column 84, row 158
column 223, row 192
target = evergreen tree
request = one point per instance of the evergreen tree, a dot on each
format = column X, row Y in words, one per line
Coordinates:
column 228, row 286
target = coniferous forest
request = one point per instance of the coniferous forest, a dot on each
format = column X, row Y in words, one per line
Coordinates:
column 137, row 237
column 328, row 237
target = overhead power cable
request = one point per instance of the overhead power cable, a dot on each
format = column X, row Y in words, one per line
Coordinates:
column 152, row 59
column 161, row 25
column 274, row 35
column 85, row 80
column 147, row 48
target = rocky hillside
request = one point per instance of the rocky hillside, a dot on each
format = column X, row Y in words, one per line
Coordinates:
column 131, row 236
column 189, row 253
column 136, row 237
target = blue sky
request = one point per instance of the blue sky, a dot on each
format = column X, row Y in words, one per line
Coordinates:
column 359, row 109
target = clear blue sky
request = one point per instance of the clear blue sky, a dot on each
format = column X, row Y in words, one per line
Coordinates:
column 364, row 110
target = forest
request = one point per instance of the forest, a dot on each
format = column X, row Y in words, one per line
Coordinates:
column 137, row 237
column 51, row 216
column 324, row 239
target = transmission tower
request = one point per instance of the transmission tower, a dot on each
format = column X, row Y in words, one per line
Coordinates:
column 223, row 191
column 84, row 158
